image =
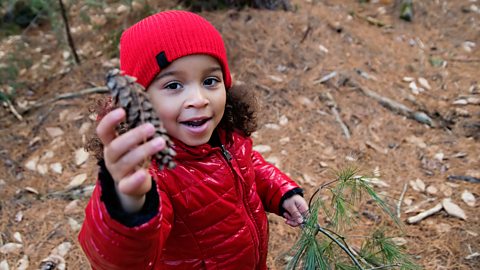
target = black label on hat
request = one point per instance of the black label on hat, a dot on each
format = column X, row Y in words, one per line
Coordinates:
column 162, row 60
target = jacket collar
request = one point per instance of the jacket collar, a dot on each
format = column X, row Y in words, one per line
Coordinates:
column 186, row 152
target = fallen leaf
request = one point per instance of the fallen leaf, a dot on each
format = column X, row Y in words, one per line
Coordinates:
column 432, row 190
column 4, row 265
column 284, row 140
column 399, row 241
column 468, row 198
column 10, row 248
column 418, row 185
column 18, row 237
column 56, row 167
column 283, row 120
column 23, row 263
column 54, row 131
column 77, row 180
column 31, row 164
column 19, row 216
column 32, row 190
column 80, row 156
column 72, row 207
column 262, row 148
column 453, row 209
column 424, row 83
column 42, row 169
column 272, row 126
column 74, row 225
column 84, row 127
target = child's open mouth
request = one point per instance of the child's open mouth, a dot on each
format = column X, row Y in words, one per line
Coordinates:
column 195, row 123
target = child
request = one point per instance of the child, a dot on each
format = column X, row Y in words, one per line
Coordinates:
column 209, row 211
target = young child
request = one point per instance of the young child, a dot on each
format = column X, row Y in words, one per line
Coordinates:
column 209, row 212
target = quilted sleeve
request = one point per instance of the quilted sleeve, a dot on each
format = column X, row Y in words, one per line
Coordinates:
column 271, row 183
column 109, row 244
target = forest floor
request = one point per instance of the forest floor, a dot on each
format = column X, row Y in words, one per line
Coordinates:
column 430, row 65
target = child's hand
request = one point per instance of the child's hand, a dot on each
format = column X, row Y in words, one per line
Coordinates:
column 296, row 207
column 124, row 156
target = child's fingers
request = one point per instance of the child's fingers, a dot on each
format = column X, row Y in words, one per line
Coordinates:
column 106, row 128
column 128, row 141
column 136, row 184
column 130, row 161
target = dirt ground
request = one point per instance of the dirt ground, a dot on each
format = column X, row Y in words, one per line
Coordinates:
column 283, row 56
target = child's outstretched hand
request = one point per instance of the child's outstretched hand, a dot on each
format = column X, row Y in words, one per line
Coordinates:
column 124, row 156
column 296, row 207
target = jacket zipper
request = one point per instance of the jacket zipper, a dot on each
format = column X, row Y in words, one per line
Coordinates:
column 228, row 158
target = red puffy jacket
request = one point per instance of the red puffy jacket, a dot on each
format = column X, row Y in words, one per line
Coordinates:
column 211, row 214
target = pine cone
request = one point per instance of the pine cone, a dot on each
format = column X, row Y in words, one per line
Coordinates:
column 129, row 95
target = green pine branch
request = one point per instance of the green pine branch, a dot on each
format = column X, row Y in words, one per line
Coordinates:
column 326, row 247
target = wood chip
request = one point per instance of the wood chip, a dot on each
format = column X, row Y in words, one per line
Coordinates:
column 453, row 209
column 425, row 214
column 81, row 156
column 77, row 181
column 468, row 198
column 432, row 190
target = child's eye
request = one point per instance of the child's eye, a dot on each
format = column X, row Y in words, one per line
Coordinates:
column 173, row 86
column 211, row 81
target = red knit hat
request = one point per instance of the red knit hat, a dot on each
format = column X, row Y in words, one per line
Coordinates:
column 154, row 42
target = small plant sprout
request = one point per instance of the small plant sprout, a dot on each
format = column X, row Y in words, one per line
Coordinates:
column 324, row 245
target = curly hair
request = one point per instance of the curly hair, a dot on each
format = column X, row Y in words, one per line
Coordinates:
column 240, row 115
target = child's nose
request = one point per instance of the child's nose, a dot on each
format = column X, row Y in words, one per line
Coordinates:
column 197, row 97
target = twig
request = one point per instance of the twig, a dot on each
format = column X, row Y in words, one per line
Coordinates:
column 67, row 30
column 467, row 178
column 309, row 28
column 393, row 105
column 325, row 78
column 400, row 200
column 88, row 91
column 384, row 266
column 465, row 60
column 343, row 247
column 424, row 214
column 12, row 109
column 333, row 107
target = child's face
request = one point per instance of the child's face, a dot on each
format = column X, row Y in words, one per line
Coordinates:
column 189, row 97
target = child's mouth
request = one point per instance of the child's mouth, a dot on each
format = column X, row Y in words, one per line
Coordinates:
column 195, row 123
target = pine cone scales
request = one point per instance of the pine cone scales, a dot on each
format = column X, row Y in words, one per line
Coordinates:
column 129, row 95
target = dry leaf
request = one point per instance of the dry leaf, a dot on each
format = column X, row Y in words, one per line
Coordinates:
column 77, row 180
column 56, row 167
column 284, row 140
column 54, row 131
column 84, row 127
column 23, row 263
column 71, row 207
column 468, row 198
column 283, row 120
column 18, row 237
column 399, row 241
column 432, row 190
column 31, row 164
column 262, row 148
column 10, row 248
column 19, row 216
column 32, row 190
column 80, row 156
column 418, row 185
column 424, row 83
column 4, row 265
column 453, row 209
column 42, row 169
column 74, row 224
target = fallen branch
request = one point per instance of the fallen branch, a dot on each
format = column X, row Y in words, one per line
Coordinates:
column 88, row 91
column 400, row 200
column 67, row 30
column 12, row 109
column 425, row 214
column 467, row 178
column 393, row 105
column 333, row 107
